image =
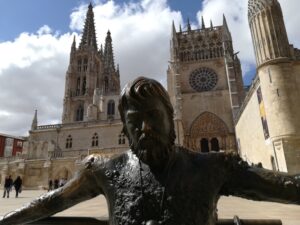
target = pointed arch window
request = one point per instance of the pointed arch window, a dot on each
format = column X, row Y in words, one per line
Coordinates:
column 111, row 108
column 79, row 64
column 79, row 113
column 83, row 90
column 106, row 84
column 95, row 140
column 85, row 64
column 122, row 139
column 69, row 141
column 78, row 86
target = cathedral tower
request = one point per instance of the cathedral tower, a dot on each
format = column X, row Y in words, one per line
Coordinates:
column 268, row 31
column 91, row 77
column 205, row 85
column 278, row 72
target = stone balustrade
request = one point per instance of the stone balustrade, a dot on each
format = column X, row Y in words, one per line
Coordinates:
column 77, row 124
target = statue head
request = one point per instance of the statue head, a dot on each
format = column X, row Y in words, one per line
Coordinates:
column 147, row 115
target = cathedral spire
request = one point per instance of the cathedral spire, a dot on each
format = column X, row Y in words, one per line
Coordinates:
column 188, row 25
column 74, row 43
column 211, row 24
column 226, row 33
column 89, row 35
column 225, row 22
column 108, row 53
column 202, row 22
column 173, row 29
column 101, row 50
column 34, row 121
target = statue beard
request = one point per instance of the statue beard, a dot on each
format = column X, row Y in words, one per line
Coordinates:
column 152, row 150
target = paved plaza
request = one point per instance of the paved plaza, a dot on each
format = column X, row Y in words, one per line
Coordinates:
column 228, row 207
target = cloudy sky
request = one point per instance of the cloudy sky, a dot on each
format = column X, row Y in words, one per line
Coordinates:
column 36, row 36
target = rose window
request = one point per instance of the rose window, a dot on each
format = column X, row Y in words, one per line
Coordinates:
column 203, row 79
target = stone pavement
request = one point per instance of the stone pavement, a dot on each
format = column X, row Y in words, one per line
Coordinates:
column 228, row 207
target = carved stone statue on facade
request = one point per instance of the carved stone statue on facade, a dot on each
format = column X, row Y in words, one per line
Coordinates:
column 157, row 182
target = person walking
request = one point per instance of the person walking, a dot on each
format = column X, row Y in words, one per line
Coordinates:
column 7, row 186
column 50, row 185
column 56, row 183
column 18, row 185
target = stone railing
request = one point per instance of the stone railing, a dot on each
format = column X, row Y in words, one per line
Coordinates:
column 81, row 153
column 207, row 29
column 76, row 124
column 78, row 154
column 52, row 126
column 13, row 158
column 67, row 154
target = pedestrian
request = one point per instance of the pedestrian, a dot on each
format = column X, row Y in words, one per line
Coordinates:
column 7, row 186
column 18, row 185
column 50, row 185
column 56, row 183
column 62, row 182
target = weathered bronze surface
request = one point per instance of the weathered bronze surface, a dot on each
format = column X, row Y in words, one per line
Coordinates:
column 157, row 182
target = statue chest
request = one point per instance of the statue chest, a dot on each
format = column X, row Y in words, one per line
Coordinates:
column 138, row 196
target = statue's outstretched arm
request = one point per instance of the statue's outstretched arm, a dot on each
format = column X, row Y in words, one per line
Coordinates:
column 261, row 184
column 86, row 184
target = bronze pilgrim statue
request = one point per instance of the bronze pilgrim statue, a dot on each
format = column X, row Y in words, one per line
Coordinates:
column 156, row 181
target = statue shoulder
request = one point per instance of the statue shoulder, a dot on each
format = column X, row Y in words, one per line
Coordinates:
column 103, row 161
column 95, row 160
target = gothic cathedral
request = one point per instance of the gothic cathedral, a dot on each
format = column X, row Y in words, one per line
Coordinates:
column 206, row 87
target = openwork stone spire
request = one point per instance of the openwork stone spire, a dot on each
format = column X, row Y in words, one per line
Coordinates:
column 255, row 6
column 89, row 35
column 34, row 121
column 268, row 31
column 108, row 53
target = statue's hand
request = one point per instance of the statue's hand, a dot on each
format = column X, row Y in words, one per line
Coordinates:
column 2, row 220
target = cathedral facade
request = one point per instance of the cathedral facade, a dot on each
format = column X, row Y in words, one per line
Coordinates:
column 90, row 121
column 206, row 87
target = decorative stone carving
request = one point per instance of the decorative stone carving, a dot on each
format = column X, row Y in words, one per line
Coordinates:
column 207, row 125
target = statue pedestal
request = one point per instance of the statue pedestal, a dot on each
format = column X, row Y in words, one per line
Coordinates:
column 71, row 221
column 103, row 221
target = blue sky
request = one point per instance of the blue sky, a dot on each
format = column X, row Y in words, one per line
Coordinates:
column 18, row 16
column 36, row 36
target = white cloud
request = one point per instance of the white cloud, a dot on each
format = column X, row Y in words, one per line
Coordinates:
column 44, row 30
column 32, row 73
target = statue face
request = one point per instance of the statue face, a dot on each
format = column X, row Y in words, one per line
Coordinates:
column 147, row 126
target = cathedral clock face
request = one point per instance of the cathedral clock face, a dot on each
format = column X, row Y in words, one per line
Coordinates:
column 203, row 79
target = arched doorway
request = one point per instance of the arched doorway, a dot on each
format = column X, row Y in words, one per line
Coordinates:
column 215, row 144
column 210, row 127
column 204, row 145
